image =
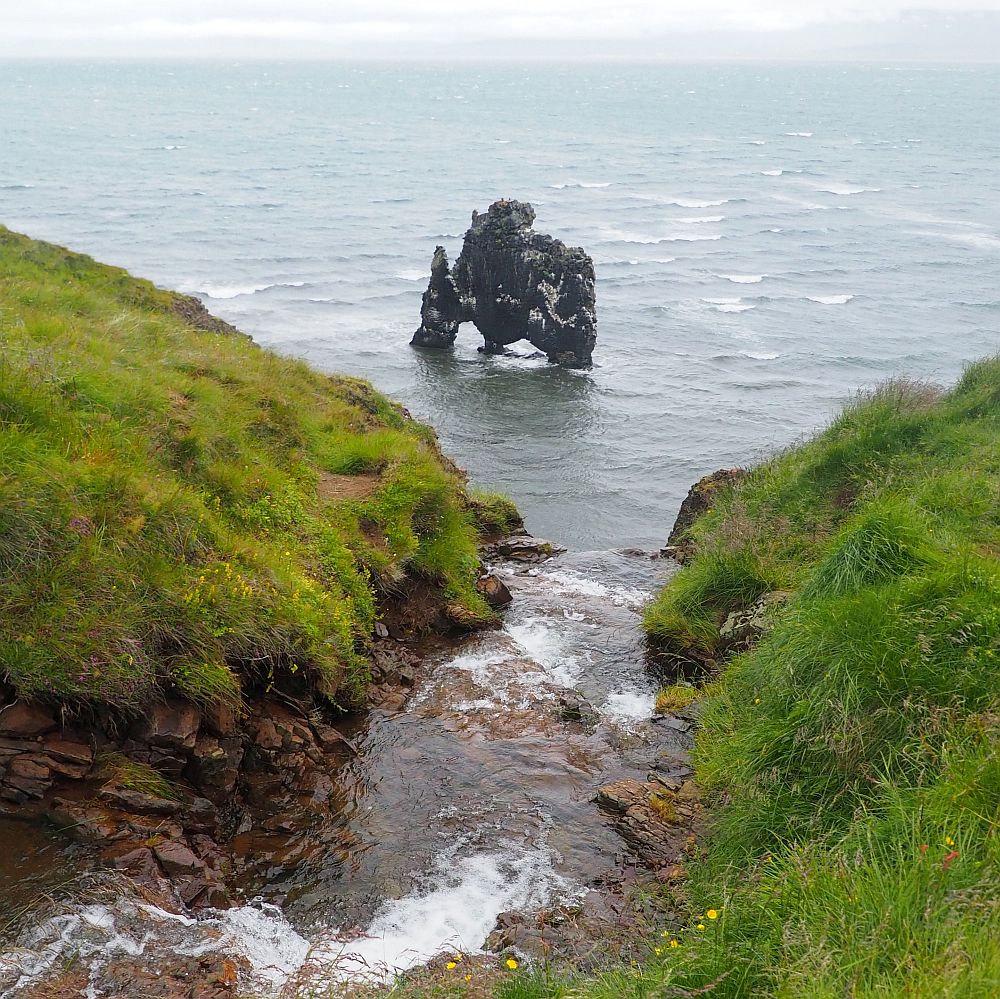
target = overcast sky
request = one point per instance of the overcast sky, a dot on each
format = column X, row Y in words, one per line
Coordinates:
column 509, row 28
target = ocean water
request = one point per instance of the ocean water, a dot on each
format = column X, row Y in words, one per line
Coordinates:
column 767, row 239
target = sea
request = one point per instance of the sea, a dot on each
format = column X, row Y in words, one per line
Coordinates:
column 768, row 240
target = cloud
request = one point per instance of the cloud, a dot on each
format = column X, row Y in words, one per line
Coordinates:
column 101, row 27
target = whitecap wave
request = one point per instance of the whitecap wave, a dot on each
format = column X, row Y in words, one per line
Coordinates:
column 760, row 355
column 743, row 278
column 729, row 304
column 844, row 190
column 830, row 299
column 800, row 135
column 693, row 203
column 698, row 219
column 580, row 183
column 225, row 291
column 412, row 275
column 771, row 173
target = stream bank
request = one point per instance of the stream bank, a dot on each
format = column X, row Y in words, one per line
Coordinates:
column 511, row 792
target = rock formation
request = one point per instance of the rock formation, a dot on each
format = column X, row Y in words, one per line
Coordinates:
column 513, row 284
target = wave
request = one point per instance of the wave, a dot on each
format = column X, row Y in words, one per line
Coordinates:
column 638, row 237
column 771, row 173
column 412, row 275
column 830, row 299
column 758, row 142
column 16, row 187
column 225, row 291
column 760, row 355
column 696, row 219
column 743, row 278
column 579, row 183
column 692, row 203
column 846, row 189
column 800, row 135
column 729, row 304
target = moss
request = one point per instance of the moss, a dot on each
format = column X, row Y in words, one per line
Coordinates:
column 167, row 519
column 675, row 697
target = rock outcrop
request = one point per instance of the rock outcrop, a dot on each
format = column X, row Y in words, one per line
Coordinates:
column 699, row 500
column 513, row 284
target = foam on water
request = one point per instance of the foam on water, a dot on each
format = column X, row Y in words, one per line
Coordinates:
column 546, row 646
column 97, row 933
column 454, row 908
column 629, row 706
column 697, row 219
column 565, row 581
column 847, row 189
column 743, row 278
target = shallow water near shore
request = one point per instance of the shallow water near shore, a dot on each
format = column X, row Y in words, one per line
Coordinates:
column 766, row 239
column 473, row 799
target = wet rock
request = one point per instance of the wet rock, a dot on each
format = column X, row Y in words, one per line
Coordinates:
column 138, row 862
column 653, row 819
column 176, row 859
column 170, row 724
column 214, row 767
column 329, row 738
column 574, row 707
column 84, row 822
column 742, row 629
column 524, row 548
column 22, row 719
column 381, row 630
column 513, row 284
column 700, row 498
column 70, row 759
column 494, row 590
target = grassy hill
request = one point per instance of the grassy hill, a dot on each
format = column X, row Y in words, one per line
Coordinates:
column 181, row 510
column 852, row 758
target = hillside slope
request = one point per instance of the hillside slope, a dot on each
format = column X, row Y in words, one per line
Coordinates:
column 181, row 511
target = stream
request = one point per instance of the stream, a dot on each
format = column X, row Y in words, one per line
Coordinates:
column 472, row 799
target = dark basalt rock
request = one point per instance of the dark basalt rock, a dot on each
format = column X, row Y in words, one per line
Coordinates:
column 513, row 284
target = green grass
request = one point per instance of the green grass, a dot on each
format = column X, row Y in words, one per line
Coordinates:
column 852, row 758
column 175, row 507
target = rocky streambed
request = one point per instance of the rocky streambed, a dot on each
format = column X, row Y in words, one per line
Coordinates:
column 504, row 794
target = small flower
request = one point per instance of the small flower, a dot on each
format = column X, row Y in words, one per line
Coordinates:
column 948, row 841
column 756, row 700
column 657, row 951
column 468, row 978
column 451, row 965
column 712, row 914
column 700, row 926
column 511, row 963
column 664, row 934
column 674, row 942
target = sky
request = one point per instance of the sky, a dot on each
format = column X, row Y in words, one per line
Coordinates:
column 501, row 28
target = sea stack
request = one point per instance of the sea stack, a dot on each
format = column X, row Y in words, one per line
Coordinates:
column 513, row 284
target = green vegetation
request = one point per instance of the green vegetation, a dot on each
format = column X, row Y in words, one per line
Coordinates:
column 180, row 509
column 496, row 515
column 675, row 697
column 854, row 755
column 119, row 771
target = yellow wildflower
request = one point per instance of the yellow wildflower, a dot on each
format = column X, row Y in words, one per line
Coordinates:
column 674, row 943
column 451, row 965
column 658, row 951
column 468, row 978
column 511, row 963
column 712, row 914
column 948, row 841
column 701, row 926
column 756, row 700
